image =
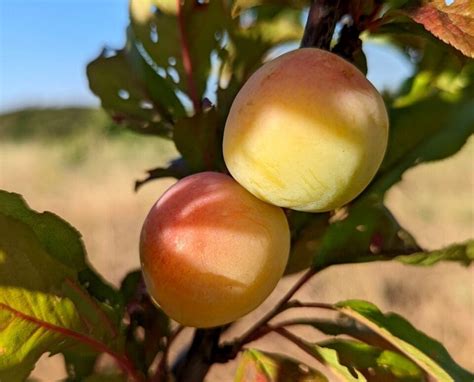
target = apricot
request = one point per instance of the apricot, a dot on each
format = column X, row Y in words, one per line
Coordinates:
column 307, row 131
column 211, row 251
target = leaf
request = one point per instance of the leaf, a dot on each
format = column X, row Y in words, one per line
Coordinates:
column 376, row 364
column 258, row 366
column 342, row 326
column 177, row 32
column 79, row 365
column 238, row 6
column 427, row 353
column 127, row 87
column 442, row 128
column 330, row 358
column 453, row 24
column 462, row 253
column 446, row 126
column 59, row 238
column 196, row 138
column 248, row 47
column 369, row 229
column 43, row 307
column 176, row 169
column 307, row 233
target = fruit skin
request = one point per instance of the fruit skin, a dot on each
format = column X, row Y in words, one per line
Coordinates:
column 212, row 252
column 307, row 131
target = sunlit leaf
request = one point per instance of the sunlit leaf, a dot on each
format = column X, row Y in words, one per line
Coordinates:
column 427, row 353
column 453, row 23
column 239, row 6
column 462, row 253
column 43, row 307
column 258, row 366
column 178, row 44
column 376, row 364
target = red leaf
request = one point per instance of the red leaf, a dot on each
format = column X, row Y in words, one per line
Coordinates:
column 453, row 24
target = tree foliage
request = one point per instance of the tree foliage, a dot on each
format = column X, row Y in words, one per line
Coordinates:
column 176, row 77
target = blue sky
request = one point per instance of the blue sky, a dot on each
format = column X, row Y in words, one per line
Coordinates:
column 46, row 44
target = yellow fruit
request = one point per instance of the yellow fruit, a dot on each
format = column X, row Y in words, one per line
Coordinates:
column 307, row 131
column 212, row 252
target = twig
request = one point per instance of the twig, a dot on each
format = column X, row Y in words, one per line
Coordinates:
column 260, row 328
column 297, row 341
column 322, row 18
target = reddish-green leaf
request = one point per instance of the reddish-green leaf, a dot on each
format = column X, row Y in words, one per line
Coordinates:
column 258, row 366
column 43, row 307
column 454, row 23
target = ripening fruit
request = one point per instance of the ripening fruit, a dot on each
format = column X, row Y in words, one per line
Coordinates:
column 211, row 251
column 307, row 131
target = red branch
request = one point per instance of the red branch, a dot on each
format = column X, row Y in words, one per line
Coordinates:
column 186, row 55
column 123, row 362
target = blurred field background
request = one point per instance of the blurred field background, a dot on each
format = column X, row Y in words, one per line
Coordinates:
column 75, row 163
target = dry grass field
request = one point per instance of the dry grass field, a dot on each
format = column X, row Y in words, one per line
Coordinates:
column 89, row 182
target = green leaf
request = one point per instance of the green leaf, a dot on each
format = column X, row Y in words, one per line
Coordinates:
column 375, row 364
column 258, row 366
column 196, row 138
column 177, row 32
column 176, row 169
column 462, row 253
column 368, row 230
column 427, row 353
column 330, row 358
column 442, row 129
column 61, row 240
column 238, row 6
column 43, row 307
column 248, row 47
column 453, row 23
column 307, row 233
column 79, row 365
column 127, row 87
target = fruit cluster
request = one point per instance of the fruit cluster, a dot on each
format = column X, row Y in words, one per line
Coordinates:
column 307, row 132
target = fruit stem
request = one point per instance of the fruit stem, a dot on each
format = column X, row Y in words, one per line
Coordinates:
column 260, row 328
column 278, row 308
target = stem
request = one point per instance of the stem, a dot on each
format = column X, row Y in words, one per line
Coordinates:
column 260, row 328
column 187, row 62
column 291, row 337
column 320, row 25
column 122, row 360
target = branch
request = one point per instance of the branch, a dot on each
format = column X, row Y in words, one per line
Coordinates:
column 194, row 366
column 322, row 18
column 260, row 328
